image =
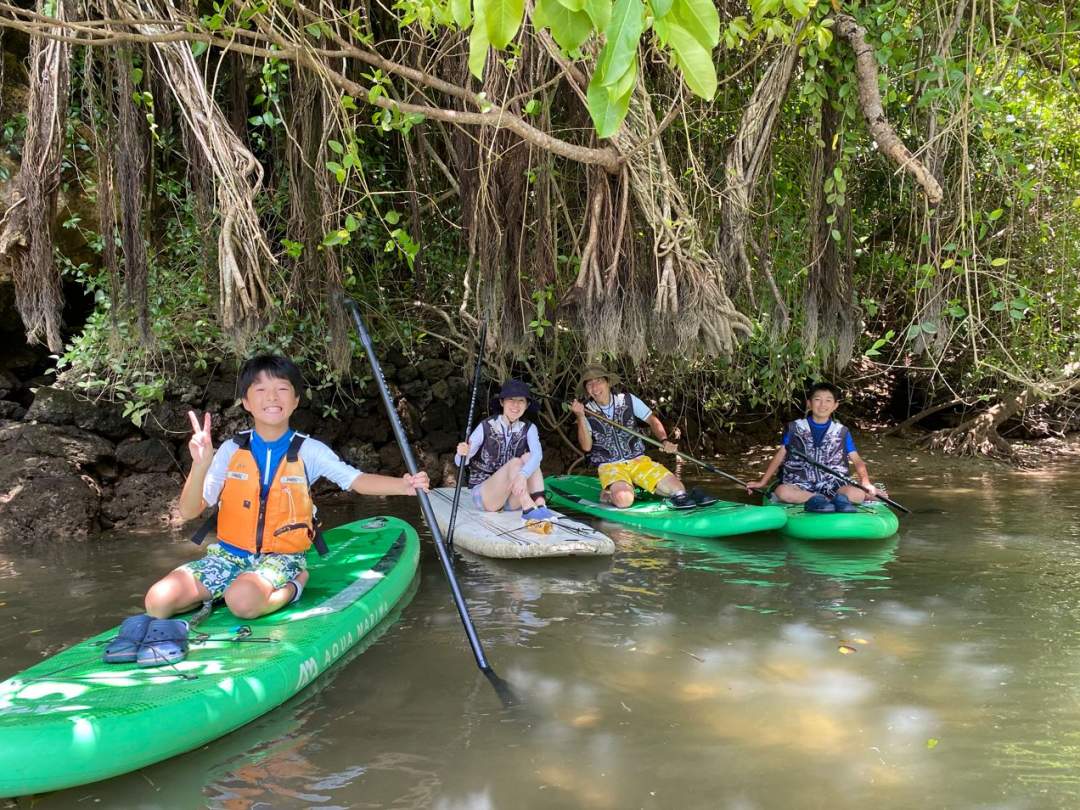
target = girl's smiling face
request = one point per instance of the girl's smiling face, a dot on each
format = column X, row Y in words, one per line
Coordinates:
column 514, row 407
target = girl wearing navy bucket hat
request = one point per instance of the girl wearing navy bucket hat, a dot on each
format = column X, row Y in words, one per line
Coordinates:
column 504, row 458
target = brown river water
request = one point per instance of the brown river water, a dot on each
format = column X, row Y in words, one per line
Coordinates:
column 940, row 668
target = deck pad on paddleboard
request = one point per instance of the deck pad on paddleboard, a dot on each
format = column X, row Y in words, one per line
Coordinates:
column 651, row 513
column 505, row 535
column 870, row 521
column 72, row 719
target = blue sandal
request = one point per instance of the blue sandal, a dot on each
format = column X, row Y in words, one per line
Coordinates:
column 166, row 642
column 842, row 504
column 124, row 649
column 701, row 497
column 819, row 503
column 537, row 513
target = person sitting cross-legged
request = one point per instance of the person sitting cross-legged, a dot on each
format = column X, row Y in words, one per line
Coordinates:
column 820, row 438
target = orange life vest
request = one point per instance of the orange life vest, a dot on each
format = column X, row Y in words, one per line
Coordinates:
column 281, row 523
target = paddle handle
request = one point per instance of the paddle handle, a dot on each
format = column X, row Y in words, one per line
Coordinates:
column 848, row 480
column 425, row 504
column 468, row 432
column 656, row 443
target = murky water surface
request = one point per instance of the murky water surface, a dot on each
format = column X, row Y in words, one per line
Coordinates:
column 940, row 668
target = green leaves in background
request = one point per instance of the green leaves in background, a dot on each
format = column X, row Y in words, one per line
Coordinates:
column 462, row 13
column 693, row 59
column 599, row 12
column 478, row 39
column 691, row 30
column 608, row 105
column 623, row 33
column 660, row 8
column 613, row 81
column 570, row 27
column 503, row 19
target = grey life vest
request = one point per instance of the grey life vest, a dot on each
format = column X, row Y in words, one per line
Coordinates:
column 498, row 447
column 831, row 452
column 609, row 443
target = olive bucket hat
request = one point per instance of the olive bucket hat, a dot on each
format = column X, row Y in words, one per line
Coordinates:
column 594, row 372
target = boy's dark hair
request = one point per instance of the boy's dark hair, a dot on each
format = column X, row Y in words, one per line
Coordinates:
column 824, row 386
column 274, row 366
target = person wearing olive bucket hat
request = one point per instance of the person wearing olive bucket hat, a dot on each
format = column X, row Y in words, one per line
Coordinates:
column 504, row 458
column 619, row 457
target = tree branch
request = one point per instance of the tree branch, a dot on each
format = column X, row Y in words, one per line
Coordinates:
column 870, row 102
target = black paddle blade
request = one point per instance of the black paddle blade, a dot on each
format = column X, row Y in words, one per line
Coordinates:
column 502, row 689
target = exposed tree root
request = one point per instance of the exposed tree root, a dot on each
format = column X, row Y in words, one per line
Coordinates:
column 979, row 436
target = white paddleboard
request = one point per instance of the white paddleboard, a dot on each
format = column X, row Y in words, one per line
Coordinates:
column 505, row 534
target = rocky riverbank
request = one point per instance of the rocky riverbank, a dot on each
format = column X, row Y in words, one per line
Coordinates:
column 75, row 467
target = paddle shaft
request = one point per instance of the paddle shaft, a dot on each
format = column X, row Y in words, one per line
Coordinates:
column 425, row 504
column 468, row 432
column 849, row 481
column 659, row 444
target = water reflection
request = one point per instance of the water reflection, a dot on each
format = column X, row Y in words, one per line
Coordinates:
column 937, row 667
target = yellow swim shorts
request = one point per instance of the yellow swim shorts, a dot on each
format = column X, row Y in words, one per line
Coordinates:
column 642, row 471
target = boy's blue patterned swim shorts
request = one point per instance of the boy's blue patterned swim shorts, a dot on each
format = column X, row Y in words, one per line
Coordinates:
column 217, row 570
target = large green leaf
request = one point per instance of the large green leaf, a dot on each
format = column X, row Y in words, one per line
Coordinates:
column 660, row 8
column 693, row 60
column 699, row 18
column 503, row 20
column 623, row 35
column 478, row 40
column 607, row 109
column 569, row 28
column 599, row 12
column 462, row 12
column 573, row 5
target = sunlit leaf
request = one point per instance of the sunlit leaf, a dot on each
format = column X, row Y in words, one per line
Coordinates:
column 623, row 35
column 694, row 61
column 503, row 19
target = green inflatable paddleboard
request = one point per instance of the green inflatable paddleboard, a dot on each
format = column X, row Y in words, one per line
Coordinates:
column 652, row 514
column 72, row 719
column 873, row 521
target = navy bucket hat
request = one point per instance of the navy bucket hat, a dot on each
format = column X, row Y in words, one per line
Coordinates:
column 513, row 388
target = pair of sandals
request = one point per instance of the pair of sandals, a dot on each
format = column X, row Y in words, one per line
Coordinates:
column 691, row 500
column 148, row 642
column 822, row 505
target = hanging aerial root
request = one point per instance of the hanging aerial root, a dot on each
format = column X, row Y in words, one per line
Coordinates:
column 238, row 176
column 745, row 159
column 26, row 237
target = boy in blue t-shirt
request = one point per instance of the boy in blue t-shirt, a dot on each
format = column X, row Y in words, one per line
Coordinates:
column 820, row 438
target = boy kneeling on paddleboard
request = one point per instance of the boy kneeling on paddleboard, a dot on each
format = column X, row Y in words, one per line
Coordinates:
column 817, row 441
column 260, row 483
column 620, row 457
